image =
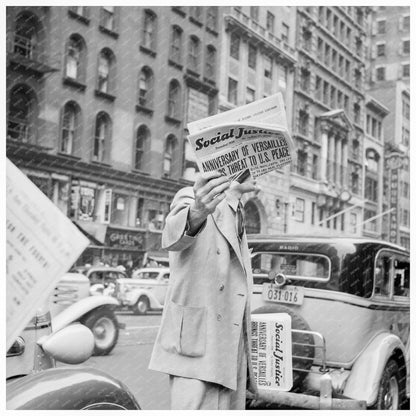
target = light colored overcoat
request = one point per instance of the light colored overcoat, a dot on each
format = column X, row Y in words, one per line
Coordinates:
column 208, row 297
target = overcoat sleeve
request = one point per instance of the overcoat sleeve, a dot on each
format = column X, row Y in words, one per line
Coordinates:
column 173, row 236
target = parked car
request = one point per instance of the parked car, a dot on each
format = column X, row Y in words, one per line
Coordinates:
column 146, row 290
column 101, row 275
column 349, row 303
column 71, row 301
column 32, row 382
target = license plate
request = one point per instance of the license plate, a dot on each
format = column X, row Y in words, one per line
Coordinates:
column 288, row 294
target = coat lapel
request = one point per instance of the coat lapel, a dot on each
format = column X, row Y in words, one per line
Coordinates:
column 225, row 221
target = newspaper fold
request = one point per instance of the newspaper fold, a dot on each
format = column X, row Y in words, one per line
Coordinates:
column 250, row 138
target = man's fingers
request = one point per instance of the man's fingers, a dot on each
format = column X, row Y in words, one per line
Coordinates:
column 217, row 190
column 204, row 177
column 214, row 202
column 213, row 183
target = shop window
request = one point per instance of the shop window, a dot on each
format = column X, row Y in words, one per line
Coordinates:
column 102, row 137
column 142, row 139
column 119, row 215
column 174, row 99
column 194, row 53
column 149, row 30
column 176, row 44
column 70, row 127
column 75, row 58
column 146, row 88
column 22, row 114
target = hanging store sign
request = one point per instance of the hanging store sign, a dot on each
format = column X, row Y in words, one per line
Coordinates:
column 394, row 198
column 125, row 239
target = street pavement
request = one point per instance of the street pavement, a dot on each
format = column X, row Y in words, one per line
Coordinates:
column 129, row 360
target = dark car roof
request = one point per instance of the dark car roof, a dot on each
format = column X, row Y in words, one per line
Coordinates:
column 321, row 240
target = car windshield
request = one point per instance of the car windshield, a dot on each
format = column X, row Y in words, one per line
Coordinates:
column 146, row 275
column 299, row 266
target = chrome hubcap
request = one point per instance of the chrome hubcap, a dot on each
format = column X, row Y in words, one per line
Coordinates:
column 104, row 332
column 391, row 398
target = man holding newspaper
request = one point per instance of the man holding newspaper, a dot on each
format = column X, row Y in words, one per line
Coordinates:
column 204, row 339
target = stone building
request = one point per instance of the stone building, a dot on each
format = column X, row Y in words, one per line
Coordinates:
column 257, row 60
column 97, row 101
column 327, row 178
column 389, row 83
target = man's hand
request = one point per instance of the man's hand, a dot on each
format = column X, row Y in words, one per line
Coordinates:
column 209, row 191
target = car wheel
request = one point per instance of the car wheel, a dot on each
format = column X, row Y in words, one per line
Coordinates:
column 390, row 391
column 142, row 306
column 302, row 344
column 104, row 326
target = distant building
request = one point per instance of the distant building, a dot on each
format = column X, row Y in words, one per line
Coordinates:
column 389, row 81
column 327, row 177
column 257, row 60
column 97, row 101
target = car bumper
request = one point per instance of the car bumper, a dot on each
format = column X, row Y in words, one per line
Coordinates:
column 324, row 399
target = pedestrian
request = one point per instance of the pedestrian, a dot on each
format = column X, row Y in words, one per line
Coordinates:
column 204, row 338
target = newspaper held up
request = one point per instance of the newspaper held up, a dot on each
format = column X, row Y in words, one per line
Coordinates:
column 253, row 137
column 271, row 351
column 41, row 245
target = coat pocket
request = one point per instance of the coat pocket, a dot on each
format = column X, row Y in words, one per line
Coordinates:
column 194, row 331
column 184, row 330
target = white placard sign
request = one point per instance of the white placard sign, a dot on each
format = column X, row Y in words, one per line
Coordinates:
column 271, row 351
column 41, row 245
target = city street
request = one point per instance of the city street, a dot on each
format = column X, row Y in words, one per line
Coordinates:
column 129, row 360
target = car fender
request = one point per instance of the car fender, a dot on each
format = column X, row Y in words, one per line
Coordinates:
column 78, row 309
column 364, row 380
column 135, row 294
column 69, row 389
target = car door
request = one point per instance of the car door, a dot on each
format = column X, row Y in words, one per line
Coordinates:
column 161, row 287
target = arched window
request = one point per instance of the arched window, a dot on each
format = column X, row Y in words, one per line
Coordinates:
column 25, row 39
column 176, row 44
column 142, row 137
column 70, row 127
column 22, row 115
column 102, row 137
column 75, row 58
column 194, row 53
column 169, row 155
column 252, row 218
column 149, row 30
column 146, row 87
column 210, row 62
column 174, row 99
column 106, row 71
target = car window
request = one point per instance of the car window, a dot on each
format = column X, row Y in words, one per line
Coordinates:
column 383, row 273
column 401, row 277
column 147, row 275
column 96, row 277
column 292, row 265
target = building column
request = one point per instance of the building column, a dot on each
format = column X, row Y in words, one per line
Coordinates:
column 338, row 159
column 344, row 180
column 331, row 158
column 324, row 151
